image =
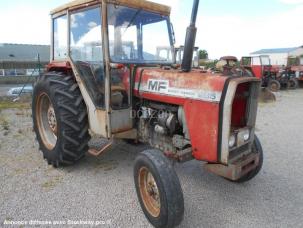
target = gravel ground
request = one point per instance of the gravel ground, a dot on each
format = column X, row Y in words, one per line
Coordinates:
column 102, row 189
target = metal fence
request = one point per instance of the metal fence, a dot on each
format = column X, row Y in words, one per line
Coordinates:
column 11, row 69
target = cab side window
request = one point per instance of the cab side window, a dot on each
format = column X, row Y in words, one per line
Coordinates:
column 60, row 37
column 86, row 51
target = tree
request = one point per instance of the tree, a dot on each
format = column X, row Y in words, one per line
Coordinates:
column 203, row 54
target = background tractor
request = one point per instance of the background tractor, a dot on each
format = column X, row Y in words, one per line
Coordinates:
column 179, row 52
column 226, row 64
column 229, row 65
column 166, row 52
column 271, row 76
column 105, row 78
column 294, row 70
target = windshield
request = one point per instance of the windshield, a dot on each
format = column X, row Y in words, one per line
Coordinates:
column 132, row 36
column 265, row 60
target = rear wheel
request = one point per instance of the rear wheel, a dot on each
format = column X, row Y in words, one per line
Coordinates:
column 292, row 83
column 274, row 85
column 158, row 189
column 60, row 119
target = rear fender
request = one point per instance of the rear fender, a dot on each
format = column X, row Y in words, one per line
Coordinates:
column 97, row 118
column 60, row 66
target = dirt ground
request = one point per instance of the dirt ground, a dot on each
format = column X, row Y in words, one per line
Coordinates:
column 102, row 190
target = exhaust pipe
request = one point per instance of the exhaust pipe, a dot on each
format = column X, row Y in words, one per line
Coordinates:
column 190, row 40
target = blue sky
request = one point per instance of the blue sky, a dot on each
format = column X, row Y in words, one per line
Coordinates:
column 225, row 27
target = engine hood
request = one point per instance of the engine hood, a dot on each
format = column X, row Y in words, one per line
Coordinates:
column 195, row 85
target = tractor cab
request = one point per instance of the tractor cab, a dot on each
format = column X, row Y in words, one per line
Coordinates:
column 164, row 52
column 102, row 44
column 295, row 66
column 262, row 69
column 179, row 52
column 230, row 60
column 229, row 66
column 227, row 63
column 259, row 65
column 294, row 70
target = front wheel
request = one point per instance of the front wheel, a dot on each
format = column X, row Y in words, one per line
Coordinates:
column 274, row 85
column 158, row 189
column 292, row 83
column 257, row 148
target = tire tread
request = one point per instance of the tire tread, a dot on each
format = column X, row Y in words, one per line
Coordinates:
column 72, row 115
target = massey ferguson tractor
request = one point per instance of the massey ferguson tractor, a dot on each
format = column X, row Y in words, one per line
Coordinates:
column 96, row 85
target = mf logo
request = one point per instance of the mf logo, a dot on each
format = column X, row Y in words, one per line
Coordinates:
column 157, row 85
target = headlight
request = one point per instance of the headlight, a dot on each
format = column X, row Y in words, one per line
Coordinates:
column 232, row 141
column 246, row 134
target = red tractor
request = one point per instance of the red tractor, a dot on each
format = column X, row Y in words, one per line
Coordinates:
column 294, row 70
column 270, row 75
column 165, row 52
column 96, row 84
column 227, row 63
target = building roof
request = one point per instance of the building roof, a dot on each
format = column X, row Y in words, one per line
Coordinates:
column 274, row 51
column 24, row 52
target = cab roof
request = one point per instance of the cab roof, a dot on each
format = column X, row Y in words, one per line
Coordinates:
column 141, row 4
column 233, row 58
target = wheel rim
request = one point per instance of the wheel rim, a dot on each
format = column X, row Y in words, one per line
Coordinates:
column 274, row 86
column 291, row 84
column 149, row 192
column 46, row 121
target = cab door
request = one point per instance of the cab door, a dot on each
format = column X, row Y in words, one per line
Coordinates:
column 87, row 60
column 120, row 108
column 118, row 79
column 105, row 89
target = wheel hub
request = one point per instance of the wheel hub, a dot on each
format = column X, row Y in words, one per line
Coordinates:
column 46, row 121
column 274, row 86
column 51, row 117
column 149, row 192
column 152, row 189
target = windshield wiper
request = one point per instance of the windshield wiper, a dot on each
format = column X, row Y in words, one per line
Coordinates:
column 132, row 20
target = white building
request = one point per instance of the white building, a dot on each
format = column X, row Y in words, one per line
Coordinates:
column 278, row 56
column 298, row 53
